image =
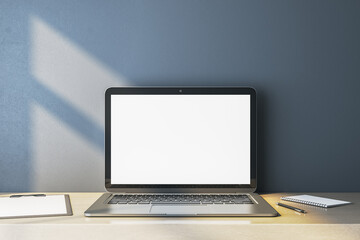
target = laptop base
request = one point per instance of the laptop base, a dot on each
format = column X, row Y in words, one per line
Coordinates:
column 260, row 208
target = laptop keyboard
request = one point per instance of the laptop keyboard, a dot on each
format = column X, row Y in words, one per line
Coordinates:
column 180, row 199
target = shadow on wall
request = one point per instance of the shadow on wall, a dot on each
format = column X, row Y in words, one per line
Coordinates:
column 53, row 140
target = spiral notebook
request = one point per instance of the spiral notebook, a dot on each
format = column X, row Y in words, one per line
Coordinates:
column 315, row 201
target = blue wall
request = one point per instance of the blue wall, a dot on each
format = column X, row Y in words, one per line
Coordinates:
column 303, row 57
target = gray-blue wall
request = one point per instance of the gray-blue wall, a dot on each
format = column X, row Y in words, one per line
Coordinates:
column 58, row 57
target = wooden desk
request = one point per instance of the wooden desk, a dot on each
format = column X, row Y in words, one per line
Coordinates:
column 334, row 223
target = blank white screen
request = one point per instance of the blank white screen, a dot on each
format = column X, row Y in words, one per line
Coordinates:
column 180, row 139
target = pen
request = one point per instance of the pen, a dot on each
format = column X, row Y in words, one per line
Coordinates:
column 290, row 207
column 30, row 195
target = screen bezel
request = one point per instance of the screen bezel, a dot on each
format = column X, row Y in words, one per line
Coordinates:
column 177, row 187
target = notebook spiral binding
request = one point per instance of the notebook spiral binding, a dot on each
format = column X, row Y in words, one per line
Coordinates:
column 304, row 202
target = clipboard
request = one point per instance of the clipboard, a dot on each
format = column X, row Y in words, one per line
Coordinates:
column 36, row 205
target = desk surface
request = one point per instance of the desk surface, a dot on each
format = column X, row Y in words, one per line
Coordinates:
column 333, row 223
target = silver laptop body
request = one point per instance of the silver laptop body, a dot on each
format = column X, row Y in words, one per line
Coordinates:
column 180, row 151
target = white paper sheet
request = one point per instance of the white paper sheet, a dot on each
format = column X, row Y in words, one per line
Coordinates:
column 32, row 206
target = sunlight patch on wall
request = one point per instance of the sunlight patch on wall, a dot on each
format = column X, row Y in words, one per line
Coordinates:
column 61, row 159
column 69, row 71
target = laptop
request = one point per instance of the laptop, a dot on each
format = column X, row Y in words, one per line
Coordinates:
column 180, row 151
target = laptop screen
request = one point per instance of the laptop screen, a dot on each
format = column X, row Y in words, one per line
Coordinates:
column 180, row 139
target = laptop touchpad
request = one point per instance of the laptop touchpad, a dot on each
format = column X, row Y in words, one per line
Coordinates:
column 176, row 209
